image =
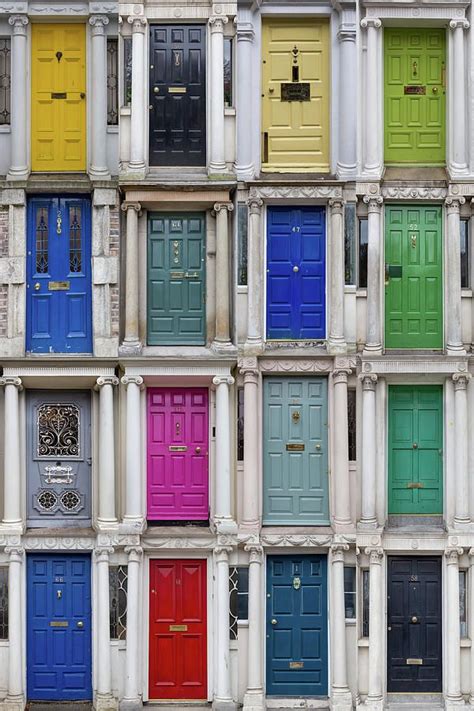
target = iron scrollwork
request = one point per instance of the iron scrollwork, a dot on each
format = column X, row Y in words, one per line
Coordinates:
column 58, row 430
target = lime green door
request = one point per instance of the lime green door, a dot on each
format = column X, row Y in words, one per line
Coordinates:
column 415, row 96
column 413, row 277
column 415, row 458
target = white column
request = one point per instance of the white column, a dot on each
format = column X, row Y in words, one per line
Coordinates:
column 255, row 275
column 369, row 423
column 452, row 656
column 98, row 103
column 12, row 452
column 453, row 277
column 106, row 473
column 244, row 166
column 222, row 338
column 376, row 629
column 341, row 698
column 222, row 514
column 459, row 132
column 131, row 343
column 251, row 483
column 461, row 515
column 374, row 313
column 133, row 683
column 372, row 163
column 104, row 698
column 223, row 693
column 217, row 138
column 337, row 342
column 470, row 611
column 19, row 135
column 133, row 478
column 341, row 495
column 15, row 697
column 347, row 160
column 254, row 697
column 138, row 104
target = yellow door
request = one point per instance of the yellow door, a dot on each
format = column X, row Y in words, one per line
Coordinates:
column 58, row 98
column 295, row 90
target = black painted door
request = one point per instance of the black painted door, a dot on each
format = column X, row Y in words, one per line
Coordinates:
column 178, row 95
column 414, row 625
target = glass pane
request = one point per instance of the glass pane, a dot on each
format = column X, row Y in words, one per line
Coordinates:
column 243, row 594
column 112, row 81
column 227, row 72
column 4, row 603
column 42, row 240
column 349, row 592
column 365, row 602
column 5, row 81
column 363, row 246
column 118, row 580
column 233, row 602
column 127, row 70
column 242, row 236
column 462, row 603
column 464, row 225
column 240, row 425
column 75, row 240
column 351, row 423
column 58, row 430
column 349, row 242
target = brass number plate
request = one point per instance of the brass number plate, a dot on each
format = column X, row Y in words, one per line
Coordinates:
column 295, row 447
column 296, row 91
column 59, row 285
column 415, row 661
column 417, row 90
column 176, row 448
column 178, row 628
column 296, row 665
column 59, row 623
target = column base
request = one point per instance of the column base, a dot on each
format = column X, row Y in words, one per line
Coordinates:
column 453, row 704
column 346, row 172
column 105, row 702
column 132, row 172
column 245, row 172
column 254, row 701
column 132, row 525
column 462, row 524
column 130, row 348
column 372, row 704
column 224, row 705
column 13, row 703
column 105, row 525
column 372, row 349
column 99, row 173
column 226, row 525
column 455, row 349
column 131, row 704
column 223, row 347
column 21, row 173
column 341, row 700
column 367, row 525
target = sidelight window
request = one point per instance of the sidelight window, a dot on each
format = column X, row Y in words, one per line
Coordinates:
column 3, row 602
column 5, row 81
column 463, row 603
column 351, row 423
column 228, row 71
column 112, row 81
column 118, row 579
column 465, row 254
column 41, row 240
column 242, row 240
column 350, row 592
column 239, row 597
column 362, row 250
column 240, row 424
column 350, row 243
column 365, row 602
column 127, row 71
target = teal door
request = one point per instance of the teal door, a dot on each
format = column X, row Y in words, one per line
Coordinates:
column 295, row 476
column 176, row 279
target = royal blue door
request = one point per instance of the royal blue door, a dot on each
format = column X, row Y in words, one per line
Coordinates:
column 59, row 627
column 59, row 311
column 297, row 622
column 296, row 273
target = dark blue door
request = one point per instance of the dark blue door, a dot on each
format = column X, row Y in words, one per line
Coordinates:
column 59, row 628
column 297, row 636
column 296, row 273
column 59, row 318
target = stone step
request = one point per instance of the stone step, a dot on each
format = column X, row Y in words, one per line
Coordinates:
column 417, row 702
column 55, row 706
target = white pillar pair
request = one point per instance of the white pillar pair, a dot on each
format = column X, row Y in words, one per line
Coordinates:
column 107, row 515
column 98, row 168
column 12, row 511
column 222, row 515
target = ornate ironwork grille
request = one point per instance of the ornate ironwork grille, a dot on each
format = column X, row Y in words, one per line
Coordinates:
column 3, row 602
column 118, row 578
column 42, row 240
column 238, row 598
column 127, row 71
column 58, row 430
column 112, row 81
column 351, row 421
column 240, row 424
column 75, row 240
column 5, row 80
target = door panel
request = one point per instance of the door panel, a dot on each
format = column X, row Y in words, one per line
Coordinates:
column 413, row 277
column 178, row 629
column 295, row 133
column 415, row 449
column 296, row 273
column 178, row 446
column 178, row 95
column 415, row 101
column 414, row 625
column 297, row 656
column 295, row 451
column 59, row 627
column 176, row 279
column 59, row 459
column 58, row 103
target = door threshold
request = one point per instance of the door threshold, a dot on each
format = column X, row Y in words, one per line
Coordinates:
column 288, row 703
column 58, row 705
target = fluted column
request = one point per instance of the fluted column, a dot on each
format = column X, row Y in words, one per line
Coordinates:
column 222, row 338
column 341, row 698
column 255, row 275
column 133, row 471
column 132, row 700
column 453, row 276
column 244, row 166
column 15, row 700
column 98, row 103
column 223, row 694
column 347, row 159
column 342, row 491
column 138, row 104
column 337, row 342
column 462, row 511
column 104, row 698
column 132, row 338
column 459, row 132
column 374, row 313
column 251, row 483
column 107, row 515
column 376, row 629
column 372, row 163
column 369, row 424
column 217, row 138
column 12, row 453
column 254, row 697
column 452, row 656
column 222, row 513
column 19, row 81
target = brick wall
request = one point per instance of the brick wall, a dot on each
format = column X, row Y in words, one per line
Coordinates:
column 114, row 222
column 3, row 310
column 4, row 232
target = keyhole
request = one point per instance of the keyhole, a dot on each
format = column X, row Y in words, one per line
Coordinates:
column 415, row 69
column 59, row 594
column 178, row 428
column 58, row 56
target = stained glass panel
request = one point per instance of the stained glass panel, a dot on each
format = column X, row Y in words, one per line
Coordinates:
column 112, row 81
column 118, row 579
column 5, row 81
column 41, row 240
column 75, row 240
column 3, row 603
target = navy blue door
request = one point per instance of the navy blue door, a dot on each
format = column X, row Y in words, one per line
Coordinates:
column 296, row 273
column 59, row 627
column 59, row 318
column 297, row 636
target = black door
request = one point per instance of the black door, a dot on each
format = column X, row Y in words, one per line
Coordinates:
column 178, row 95
column 414, row 624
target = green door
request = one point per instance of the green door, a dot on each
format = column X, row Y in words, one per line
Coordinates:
column 413, row 277
column 415, row 442
column 176, row 279
column 415, row 96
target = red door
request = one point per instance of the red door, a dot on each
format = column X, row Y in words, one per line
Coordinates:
column 178, row 438
column 178, row 629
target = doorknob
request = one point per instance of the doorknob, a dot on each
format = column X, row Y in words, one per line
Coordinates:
column 414, row 619
column 37, row 286
column 435, row 90
column 415, row 446
column 198, row 450
column 80, row 624
column 274, row 622
column 296, row 269
column 83, row 96
column 156, row 89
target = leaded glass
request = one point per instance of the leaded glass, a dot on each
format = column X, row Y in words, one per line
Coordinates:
column 242, row 238
column 42, row 240
column 240, row 424
column 127, row 70
column 233, row 587
column 118, row 578
column 5, row 81
column 3, row 603
column 365, row 602
column 228, row 70
column 351, row 424
column 58, row 430
column 75, row 239
column 349, row 242
column 112, row 81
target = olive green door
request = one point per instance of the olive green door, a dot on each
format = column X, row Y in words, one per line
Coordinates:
column 413, row 277
column 415, row 96
column 415, row 442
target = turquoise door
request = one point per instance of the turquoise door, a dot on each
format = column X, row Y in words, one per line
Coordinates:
column 295, row 476
column 176, row 279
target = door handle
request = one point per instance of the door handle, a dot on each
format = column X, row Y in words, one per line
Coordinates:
column 387, row 274
column 37, row 286
column 198, row 450
column 80, row 624
column 296, row 269
column 435, row 90
column 414, row 620
column 274, row 622
column 83, row 96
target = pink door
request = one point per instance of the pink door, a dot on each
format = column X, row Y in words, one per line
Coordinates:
column 178, row 439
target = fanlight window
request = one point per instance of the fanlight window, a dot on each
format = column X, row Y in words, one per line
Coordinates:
column 58, row 430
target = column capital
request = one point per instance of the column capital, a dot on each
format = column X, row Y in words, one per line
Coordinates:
column 223, row 380
column 138, row 24
column 340, row 375
column 461, row 380
column 248, row 365
column 255, row 551
column 106, row 380
column 134, row 553
column 221, row 553
column 375, row 555
column 471, row 555
column 374, row 22
column 217, row 23
column 98, row 24
column 373, row 202
column 452, row 555
column 19, row 23
column 102, row 554
column 461, row 23
column 368, row 381
column 125, row 206
column 453, row 203
column 336, row 205
column 347, row 34
column 12, row 380
column 218, row 206
column 245, row 31
column 132, row 380
column 255, row 205
column 15, row 553
column 337, row 552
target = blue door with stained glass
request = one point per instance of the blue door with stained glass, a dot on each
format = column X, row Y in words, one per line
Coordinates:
column 59, row 627
column 59, row 308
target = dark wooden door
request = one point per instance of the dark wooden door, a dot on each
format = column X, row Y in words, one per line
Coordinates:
column 414, row 625
column 177, row 95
